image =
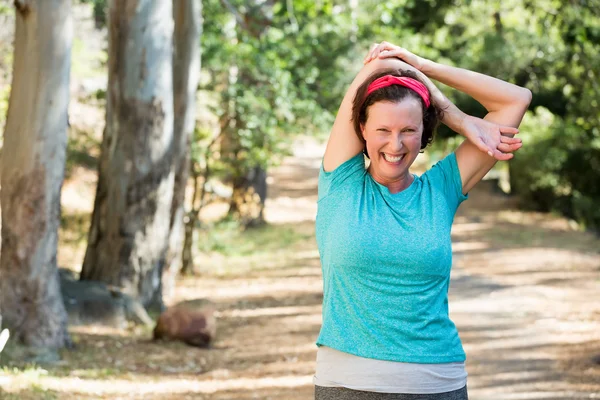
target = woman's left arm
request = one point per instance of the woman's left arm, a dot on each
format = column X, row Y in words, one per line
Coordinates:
column 506, row 104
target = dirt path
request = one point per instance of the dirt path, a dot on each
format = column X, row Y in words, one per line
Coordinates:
column 525, row 295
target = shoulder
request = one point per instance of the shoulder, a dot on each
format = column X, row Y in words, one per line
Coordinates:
column 444, row 176
column 444, row 168
column 348, row 173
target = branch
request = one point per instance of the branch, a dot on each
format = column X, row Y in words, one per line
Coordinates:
column 290, row 10
column 23, row 7
column 236, row 14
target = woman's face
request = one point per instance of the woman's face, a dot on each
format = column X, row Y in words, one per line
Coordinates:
column 393, row 133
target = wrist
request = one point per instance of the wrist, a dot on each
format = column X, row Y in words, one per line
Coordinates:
column 453, row 117
column 427, row 66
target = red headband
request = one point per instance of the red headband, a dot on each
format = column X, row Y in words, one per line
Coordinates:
column 410, row 83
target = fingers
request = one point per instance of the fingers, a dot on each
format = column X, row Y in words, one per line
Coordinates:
column 509, row 140
column 391, row 53
column 502, row 156
column 509, row 130
column 481, row 145
column 368, row 57
column 503, row 150
column 376, row 49
column 369, row 54
column 509, row 148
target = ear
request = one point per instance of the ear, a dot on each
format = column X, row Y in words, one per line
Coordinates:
column 362, row 131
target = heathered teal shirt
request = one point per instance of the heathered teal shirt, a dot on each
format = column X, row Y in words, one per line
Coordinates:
column 386, row 261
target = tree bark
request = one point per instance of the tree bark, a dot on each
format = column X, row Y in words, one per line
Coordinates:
column 129, row 232
column 33, row 162
column 248, row 198
column 187, row 255
column 186, row 73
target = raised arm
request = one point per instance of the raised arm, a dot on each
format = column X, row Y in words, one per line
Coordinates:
column 506, row 104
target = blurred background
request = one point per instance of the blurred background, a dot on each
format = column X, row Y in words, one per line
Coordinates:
column 181, row 141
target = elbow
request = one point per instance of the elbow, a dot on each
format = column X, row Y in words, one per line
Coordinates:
column 525, row 97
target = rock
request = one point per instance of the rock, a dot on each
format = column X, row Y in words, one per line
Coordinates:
column 193, row 323
column 93, row 302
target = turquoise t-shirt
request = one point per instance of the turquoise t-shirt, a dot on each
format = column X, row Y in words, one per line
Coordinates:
column 386, row 261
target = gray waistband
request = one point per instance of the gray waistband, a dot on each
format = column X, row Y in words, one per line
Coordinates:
column 336, row 393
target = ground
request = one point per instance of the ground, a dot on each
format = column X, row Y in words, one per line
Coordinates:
column 525, row 295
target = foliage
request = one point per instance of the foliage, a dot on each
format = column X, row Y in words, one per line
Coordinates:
column 293, row 66
column 99, row 11
column 274, row 70
column 5, row 8
column 557, row 171
column 278, row 68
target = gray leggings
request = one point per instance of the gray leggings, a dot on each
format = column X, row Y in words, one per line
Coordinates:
column 339, row 393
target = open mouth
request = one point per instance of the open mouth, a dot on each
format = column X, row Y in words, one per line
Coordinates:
column 393, row 159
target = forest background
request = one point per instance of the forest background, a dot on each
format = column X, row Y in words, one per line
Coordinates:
column 257, row 78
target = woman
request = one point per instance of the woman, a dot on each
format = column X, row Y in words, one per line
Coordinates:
column 384, row 233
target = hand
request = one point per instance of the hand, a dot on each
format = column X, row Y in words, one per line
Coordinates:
column 490, row 137
column 411, row 63
column 388, row 50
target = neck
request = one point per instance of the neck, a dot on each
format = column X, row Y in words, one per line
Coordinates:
column 396, row 185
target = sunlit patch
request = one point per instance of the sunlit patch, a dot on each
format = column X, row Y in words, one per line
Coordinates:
column 469, row 246
column 166, row 386
column 273, row 311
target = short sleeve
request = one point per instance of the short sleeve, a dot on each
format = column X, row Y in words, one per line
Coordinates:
column 445, row 177
column 349, row 172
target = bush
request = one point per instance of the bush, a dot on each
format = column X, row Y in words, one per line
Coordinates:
column 558, row 169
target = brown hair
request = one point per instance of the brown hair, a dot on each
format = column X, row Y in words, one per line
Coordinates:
column 394, row 93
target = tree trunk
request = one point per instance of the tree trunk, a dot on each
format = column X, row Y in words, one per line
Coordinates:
column 186, row 72
column 33, row 162
column 187, row 255
column 129, row 232
column 248, row 198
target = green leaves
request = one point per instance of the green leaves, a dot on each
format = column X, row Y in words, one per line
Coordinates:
column 275, row 71
column 280, row 70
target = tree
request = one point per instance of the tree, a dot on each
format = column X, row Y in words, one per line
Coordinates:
column 186, row 72
column 33, row 162
column 129, row 232
column 273, row 82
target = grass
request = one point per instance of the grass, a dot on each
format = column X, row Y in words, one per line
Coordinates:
column 25, row 383
column 35, row 392
column 229, row 239
column 226, row 249
column 82, row 150
column 88, row 62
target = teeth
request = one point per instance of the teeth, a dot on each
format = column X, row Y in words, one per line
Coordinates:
column 392, row 159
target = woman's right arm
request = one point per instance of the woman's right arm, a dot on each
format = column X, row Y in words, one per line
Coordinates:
column 343, row 143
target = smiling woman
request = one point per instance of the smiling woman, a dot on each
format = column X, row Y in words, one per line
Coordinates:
column 392, row 116
column 393, row 143
column 386, row 331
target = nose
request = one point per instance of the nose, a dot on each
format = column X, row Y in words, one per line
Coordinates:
column 397, row 143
